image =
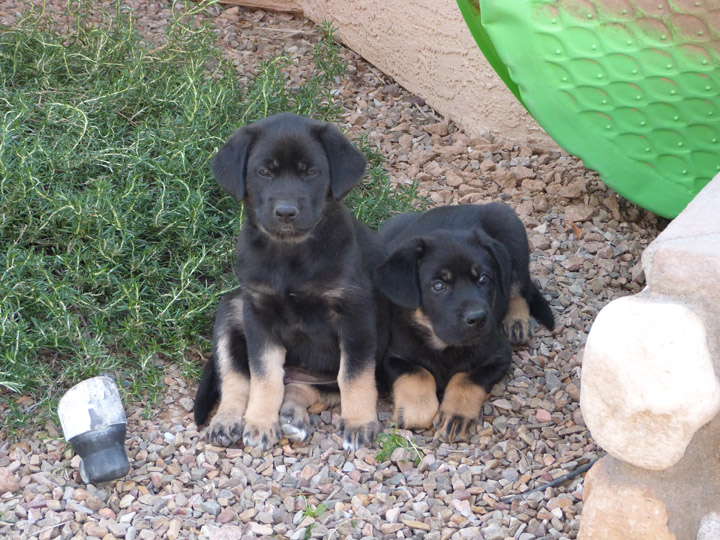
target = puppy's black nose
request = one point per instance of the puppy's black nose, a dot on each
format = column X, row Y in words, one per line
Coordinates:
column 286, row 211
column 475, row 318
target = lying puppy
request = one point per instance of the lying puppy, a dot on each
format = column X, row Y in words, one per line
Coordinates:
column 459, row 283
column 306, row 302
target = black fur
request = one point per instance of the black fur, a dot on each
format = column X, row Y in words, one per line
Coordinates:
column 207, row 393
column 304, row 263
column 450, row 274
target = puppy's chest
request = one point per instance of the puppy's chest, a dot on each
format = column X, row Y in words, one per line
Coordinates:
column 299, row 307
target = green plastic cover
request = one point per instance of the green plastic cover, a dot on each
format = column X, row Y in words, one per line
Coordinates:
column 632, row 87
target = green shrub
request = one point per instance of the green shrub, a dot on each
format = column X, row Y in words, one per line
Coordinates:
column 115, row 241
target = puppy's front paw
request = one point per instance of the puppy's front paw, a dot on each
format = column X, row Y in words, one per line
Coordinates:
column 224, row 430
column 517, row 330
column 418, row 414
column 452, row 427
column 415, row 401
column 294, row 422
column 355, row 437
column 262, row 436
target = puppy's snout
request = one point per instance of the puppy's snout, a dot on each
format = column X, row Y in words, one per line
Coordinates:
column 286, row 211
column 475, row 318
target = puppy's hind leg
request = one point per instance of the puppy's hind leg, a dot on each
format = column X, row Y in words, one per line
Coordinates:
column 207, row 394
column 516, row 324
column 530, row 301
column 294, row 418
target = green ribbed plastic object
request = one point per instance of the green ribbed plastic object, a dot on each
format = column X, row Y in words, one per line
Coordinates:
column 632, row 87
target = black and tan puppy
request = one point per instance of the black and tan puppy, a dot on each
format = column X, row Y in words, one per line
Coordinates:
column 306, row 302
column 459, row 283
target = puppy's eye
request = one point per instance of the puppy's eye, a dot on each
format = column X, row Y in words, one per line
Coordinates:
column 262, row 171
column 484, row 279
column 312, row 171
column 438, row 286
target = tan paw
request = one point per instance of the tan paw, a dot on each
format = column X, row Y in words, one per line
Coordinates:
column 225, row 429
column 261, row 436
column 355, row 437
column 516, row 323
column 294, row 422
column 452, row 427
column 415, row 401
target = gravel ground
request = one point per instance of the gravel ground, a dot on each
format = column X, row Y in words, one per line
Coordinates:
column 586, row 245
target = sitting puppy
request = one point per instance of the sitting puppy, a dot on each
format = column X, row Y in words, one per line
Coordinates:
column 306, row 302
column 458, row 280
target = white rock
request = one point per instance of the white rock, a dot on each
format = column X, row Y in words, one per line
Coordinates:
column 648, row 382
column 709, row 527
column 392, row 515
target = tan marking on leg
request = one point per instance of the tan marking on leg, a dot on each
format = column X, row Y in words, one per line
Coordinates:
column 423, row 322
column 358, row 400
column 327, row 401
column 358, row 396
column 300, row 395
column 267, row 389
column 415, row 402
column 518, row 309
column 463, row 397
column 235, row 388
column 461, row 405
column 266, row 397
column 516, row 323
column 227, row 423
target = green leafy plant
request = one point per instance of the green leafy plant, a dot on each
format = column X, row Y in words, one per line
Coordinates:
column 389, row 442
column 115, row 240
column 314, row 513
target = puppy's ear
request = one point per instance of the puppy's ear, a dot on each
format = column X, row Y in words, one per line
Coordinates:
column 501, row 256
column 347, row 164
column 397, row 277
column 230, row 163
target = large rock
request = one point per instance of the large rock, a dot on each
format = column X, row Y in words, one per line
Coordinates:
column 648, row 382
column 615, row 511
column 684, row 261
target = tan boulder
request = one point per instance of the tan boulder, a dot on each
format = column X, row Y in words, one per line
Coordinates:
column 621, row 511
column 648, row 381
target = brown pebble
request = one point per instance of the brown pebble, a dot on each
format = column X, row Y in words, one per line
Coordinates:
column 226, row 516
column 8, row 481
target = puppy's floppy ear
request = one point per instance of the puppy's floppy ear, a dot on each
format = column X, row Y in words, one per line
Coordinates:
column 501, row 256
column 347, row 164
column 397, row 277
column 229, row 165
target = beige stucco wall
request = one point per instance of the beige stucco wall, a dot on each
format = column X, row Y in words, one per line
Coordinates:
column 427, row 48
